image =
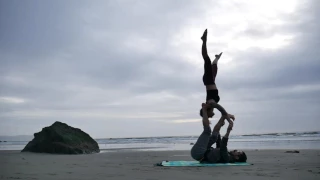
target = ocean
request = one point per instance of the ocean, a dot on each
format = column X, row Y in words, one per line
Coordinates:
column 298, row 140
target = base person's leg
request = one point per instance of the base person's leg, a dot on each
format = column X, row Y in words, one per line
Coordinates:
column 200, row 147
column 213, row 139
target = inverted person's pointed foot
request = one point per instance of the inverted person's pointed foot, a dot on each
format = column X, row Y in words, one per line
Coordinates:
column 218, row 55
column 204, row 36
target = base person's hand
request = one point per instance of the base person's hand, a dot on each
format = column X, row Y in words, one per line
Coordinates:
column 230, row 126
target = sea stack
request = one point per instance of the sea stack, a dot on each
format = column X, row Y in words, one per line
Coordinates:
column 59, row 138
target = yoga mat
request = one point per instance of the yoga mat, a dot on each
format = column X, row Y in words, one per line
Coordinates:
column 196, row 163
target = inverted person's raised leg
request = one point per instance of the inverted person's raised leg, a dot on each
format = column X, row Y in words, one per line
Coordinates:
column 214, row 66
column 207, row 77
column 204, row 47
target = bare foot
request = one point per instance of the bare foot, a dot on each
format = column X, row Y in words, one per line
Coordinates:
column 204, row 36
column 218, row 55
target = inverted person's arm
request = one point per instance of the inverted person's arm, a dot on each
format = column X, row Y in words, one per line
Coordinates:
column 221, row 109
column 205, row 118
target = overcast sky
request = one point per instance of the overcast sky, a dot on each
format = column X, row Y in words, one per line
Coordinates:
column 120, row 68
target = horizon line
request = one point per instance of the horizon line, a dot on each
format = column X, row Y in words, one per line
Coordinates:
column 179, row 135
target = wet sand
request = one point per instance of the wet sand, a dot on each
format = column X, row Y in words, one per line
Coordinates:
column 132, row 164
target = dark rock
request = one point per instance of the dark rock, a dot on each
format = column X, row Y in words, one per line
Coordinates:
column 292, row 151
column 59, row 138
column 191, row 143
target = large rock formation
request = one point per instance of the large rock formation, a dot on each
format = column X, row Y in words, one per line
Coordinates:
column 59, row 138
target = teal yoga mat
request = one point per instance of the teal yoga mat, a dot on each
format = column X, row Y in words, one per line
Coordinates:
column 196, row 163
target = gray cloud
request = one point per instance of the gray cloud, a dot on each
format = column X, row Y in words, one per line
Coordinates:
column 105, row 64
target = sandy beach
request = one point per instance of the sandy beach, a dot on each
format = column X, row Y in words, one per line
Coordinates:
column 129, row 164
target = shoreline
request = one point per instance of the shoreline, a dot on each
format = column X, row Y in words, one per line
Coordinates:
column 162, row 149
column 314, row 145
column 158, row 149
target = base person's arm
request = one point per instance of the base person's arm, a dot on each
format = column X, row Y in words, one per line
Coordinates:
column 219, row 124
column 224, row 142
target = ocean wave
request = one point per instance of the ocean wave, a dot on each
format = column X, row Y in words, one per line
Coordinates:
column 286, row 134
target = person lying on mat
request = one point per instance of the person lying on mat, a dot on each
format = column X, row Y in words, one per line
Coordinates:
column 202, row 150
column 209, row 76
